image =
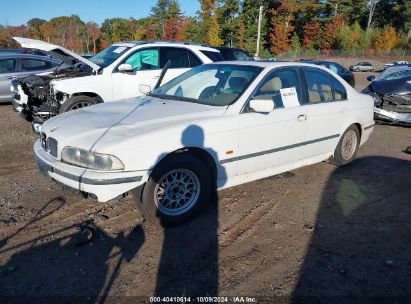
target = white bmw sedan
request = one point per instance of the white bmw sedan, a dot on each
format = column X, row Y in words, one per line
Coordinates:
column 215, row 126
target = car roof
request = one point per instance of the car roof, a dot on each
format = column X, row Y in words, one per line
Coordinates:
column 165, row 43
column 30, row 56
column 271, row 64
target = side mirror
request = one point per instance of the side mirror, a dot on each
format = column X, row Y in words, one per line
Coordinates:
column 125, row 68
column 371, row 78
column 144, row 89
column 262, row 105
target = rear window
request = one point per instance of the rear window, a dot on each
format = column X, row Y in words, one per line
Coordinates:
column 213, row 56
column 29, row 65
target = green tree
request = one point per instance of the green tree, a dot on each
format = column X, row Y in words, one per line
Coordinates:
column 210, row 28
column 228, row 17
column 33, row 26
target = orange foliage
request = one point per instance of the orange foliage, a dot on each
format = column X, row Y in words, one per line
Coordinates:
column 387, row 39
column 312, row 34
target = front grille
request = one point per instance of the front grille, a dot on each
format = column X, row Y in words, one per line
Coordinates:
column 52, row 146
column 49, row 144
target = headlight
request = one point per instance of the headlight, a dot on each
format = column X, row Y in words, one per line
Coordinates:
column 91, row 160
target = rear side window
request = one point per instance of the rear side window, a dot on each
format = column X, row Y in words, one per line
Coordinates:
column 31, row 65
column 213, row 56
column 335, row 68
column 283, row 87
column 7, row 66
column 322, row 87
column 240, row 55
column 339, row 91
column 319, row 86
column 177, row 56
column 194, row 61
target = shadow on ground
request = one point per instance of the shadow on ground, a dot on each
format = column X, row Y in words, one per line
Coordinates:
column 361, row 245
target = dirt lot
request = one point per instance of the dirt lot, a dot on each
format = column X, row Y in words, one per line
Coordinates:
column 315, row 232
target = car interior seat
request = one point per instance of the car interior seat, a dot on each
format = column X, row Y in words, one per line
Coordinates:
column 271, row 90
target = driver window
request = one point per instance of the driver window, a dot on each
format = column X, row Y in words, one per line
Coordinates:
column 274, row 87
column 146, row 59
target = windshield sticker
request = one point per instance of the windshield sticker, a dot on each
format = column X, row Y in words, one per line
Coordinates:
column 119, row 50
column 289, row 97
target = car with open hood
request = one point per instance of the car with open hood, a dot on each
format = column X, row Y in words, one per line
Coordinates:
column 117, row 72
column 391, row 91
column 399, row 62
column 216, row 126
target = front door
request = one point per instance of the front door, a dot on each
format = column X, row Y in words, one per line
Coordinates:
column 146, row 65
column 275, row 138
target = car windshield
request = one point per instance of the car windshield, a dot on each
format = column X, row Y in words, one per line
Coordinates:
column 214, row 84
column 395, row 74
column 109, row 55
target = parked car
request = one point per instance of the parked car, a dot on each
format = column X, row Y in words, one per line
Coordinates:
column 215, row 126
column 230, row 54
column 115, row 73
column 14, row 65
column 391, row 91
column 362, row 67
column 337, row 68
column 87, row 56
column 23, row 51
column 387, row 65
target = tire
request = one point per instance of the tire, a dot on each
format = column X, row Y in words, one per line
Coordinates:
column 164, row 189
column 347, row 147
column 77, row 102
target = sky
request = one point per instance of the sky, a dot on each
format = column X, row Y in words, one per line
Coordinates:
column 88, row 10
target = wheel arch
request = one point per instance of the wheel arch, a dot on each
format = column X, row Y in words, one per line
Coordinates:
column 199, row 153
column 89, row 94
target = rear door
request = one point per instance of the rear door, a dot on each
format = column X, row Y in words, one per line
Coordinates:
column 181, row 59
column 8, row 71
column 326, row 108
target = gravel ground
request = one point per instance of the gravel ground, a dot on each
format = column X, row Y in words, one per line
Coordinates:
column 319, row 232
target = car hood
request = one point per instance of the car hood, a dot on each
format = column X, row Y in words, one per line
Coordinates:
column 51, row 48
column 383, row 87
column 104, row 125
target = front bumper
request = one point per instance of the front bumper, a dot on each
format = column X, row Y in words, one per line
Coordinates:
column 104, row 185
column 392, row 117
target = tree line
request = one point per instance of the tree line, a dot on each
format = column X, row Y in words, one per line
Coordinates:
column 287, row 26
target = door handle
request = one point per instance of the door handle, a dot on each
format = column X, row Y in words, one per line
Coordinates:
column 302, row 117
column 12, row 77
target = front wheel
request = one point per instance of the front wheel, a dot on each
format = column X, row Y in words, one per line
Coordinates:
column 77, row 102
column 347, row 147
column 178, row 187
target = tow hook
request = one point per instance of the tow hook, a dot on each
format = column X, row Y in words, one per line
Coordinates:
column 36, row 127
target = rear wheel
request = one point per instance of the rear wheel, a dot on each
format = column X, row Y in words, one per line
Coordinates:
column 347, row 147
column 178, row 187
column 77, row 102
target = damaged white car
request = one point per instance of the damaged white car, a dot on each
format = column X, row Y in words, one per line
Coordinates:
column 215, row 126
column 123, row 70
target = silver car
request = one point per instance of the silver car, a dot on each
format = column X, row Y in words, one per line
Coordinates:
column 362, row 67
column 14, row 65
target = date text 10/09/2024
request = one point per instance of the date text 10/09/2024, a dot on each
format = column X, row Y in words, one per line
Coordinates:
column 202, row 300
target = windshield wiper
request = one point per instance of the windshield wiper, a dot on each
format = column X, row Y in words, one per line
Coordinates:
column 172, row 97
